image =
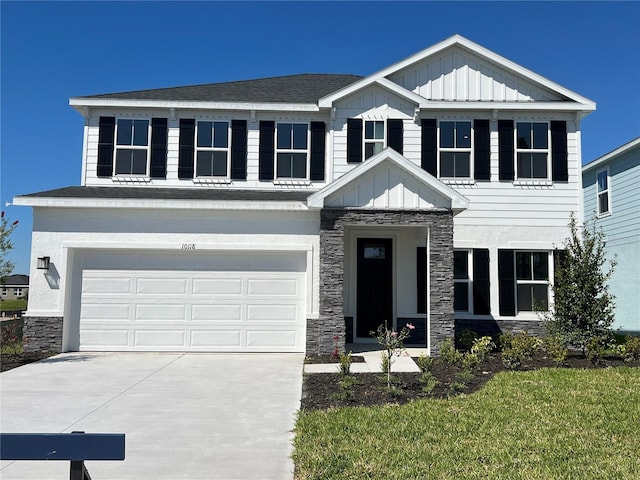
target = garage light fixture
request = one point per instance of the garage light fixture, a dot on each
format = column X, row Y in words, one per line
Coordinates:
column 43, row 263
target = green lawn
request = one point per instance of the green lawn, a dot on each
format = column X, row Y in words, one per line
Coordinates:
column 544, row 424
column 9, row 305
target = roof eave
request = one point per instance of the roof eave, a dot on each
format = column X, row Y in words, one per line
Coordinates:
column 611, row 155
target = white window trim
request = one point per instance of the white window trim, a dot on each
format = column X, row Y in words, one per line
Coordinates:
column 470, row 180
column 366, row 141
column 212, row 178
column 547, row 282
column 307, row 151
column 146, row 148
column 468, row 281
column 532, row 180
column 607, row 191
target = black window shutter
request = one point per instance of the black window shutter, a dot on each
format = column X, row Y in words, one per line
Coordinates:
column 158, row 148
column 354, row 140
column 238, row 149
column 429, row 155
column 318, row 140
column 266, row 150
column 505, row 149
column 506, row 280
column 395, row 135
column 106, row 135
column 559, row 156
column 481, row 150
column 421, row 279
column 481, row 290
column 186, row 147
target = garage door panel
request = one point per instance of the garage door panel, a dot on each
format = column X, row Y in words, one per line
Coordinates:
column 217, row 339
column 159, row 338
column 217, row 286
column 228, row 313
column 160, row 312
column 101, row 338
column 166, row 286
column 187, row 302
column 105, row 312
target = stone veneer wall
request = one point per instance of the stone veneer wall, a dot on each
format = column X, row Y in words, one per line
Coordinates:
column 320, row 332
column 42, row 334
column 496, row 327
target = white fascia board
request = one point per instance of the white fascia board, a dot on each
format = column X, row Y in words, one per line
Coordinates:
column 474, row 48
column 609, row 156
column 458, row 201
column 504, row 106
column 384, row 83
column 81, row 104
column 160, row 204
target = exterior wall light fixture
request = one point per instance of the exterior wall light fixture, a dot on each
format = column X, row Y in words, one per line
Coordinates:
column 43, row 263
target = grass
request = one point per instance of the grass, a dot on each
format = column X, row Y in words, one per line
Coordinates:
column 542, row 424
column 11, row 305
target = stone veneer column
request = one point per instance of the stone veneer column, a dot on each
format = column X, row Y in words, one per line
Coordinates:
column 42, row 334
column 320, row 333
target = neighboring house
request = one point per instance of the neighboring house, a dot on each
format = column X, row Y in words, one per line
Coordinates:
column 611, row 196
column 14, row 287
column 279, row 213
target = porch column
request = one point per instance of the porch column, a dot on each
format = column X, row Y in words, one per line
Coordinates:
column 440, row 290
column 321, row 332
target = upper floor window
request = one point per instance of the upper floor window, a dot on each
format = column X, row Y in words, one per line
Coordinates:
column 603, row 192
column 292, row 150
column 532, row 281
column 212, row 149
column 532, row 150
column 373, row 137
column 455, row 150
column 132, row 147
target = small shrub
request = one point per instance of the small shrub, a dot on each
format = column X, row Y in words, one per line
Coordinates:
column 392, row 342
column 345, row 363
column 482, row 347
column 448, row 352
column 456, row 388
column 631, row 348
column 345, row 391
column 424, row 363
column 470, row 361
column 556, row 349
column 465, row 377
column 518, row 348
column 596, row 347
column 11, row 344
column 394, row 391
column 465, row 339
column 384, row 363
column 428, row 381
column 335, row 355
column 511, row 359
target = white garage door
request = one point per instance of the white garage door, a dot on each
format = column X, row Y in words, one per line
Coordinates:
column 193, row 302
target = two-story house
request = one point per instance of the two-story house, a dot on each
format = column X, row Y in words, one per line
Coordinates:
column 281, row 213
column 612, row 200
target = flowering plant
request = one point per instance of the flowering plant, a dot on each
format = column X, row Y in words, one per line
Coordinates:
column 392, row 342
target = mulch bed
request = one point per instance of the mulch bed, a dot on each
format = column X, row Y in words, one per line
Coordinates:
column 13, row 360
column 323, row 390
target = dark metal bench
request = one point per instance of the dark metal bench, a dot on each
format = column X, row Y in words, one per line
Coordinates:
column 75, row 447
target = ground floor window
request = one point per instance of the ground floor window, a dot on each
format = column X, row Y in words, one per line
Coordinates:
column 532, row 280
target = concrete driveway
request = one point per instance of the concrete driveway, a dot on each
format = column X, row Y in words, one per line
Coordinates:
column 185, row 416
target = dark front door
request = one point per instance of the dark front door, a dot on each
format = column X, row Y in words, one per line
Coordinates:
column 374, row 280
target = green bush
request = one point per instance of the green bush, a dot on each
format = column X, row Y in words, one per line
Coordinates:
column 428, row 381
column 596, row 347
column 448, row 352
column 470, row 361
column 556, row 349
column 345, row 363
column 465, row 339
column 631, row 348
column 424, row 363
column 482, row 347
column 517, row 348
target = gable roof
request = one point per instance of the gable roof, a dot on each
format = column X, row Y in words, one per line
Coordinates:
column 459, row 42
column 454, row 200
column 611, row 155
column 17, row 280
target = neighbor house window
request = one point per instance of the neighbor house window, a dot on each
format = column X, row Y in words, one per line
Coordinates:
column 212, row 149
column 373, row 137
column 603, row 193
column 5, row 292
column 292, row 150
column 532, row 281
column 132, row 147
column 461, row 281
column 455, row 150
column 532, row 150
column 18, row 292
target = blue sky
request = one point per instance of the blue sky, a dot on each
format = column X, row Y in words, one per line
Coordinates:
column 51, row 51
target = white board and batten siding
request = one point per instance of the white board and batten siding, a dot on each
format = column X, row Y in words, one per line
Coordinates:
column 162, row 301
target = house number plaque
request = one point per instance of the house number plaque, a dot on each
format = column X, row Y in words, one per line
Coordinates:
column 188, row 246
